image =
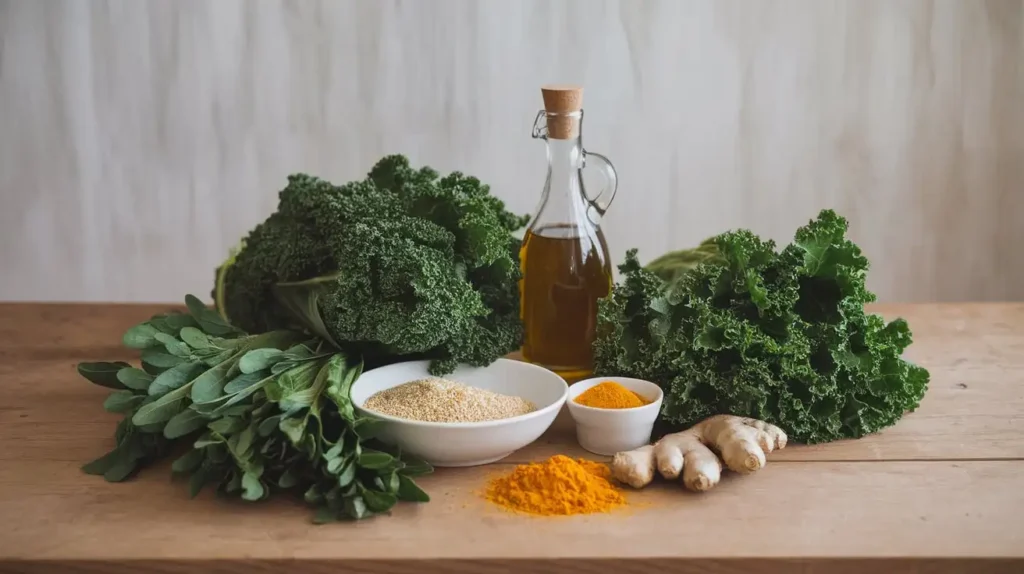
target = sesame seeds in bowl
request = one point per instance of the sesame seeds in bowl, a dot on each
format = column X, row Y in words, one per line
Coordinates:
column 439, row 400
column 472, row 416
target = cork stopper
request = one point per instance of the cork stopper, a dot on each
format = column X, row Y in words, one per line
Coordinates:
column 563, row 104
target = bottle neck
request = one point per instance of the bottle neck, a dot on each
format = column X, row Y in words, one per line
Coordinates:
column 563, row 203
column 564, row 160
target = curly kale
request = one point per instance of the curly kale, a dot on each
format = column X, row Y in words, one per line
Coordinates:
column 403, row 264
column 780, row 336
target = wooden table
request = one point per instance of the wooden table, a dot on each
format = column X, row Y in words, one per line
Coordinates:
column 942, row 491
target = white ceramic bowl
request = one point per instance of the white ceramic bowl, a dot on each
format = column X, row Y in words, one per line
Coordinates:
column 468, row 444
column 608, row 431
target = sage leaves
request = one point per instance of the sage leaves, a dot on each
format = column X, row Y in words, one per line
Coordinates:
column 209, row 320
column 184, row 423
column 409, row 490
column 259, row 359
column 141, row 336
column 374, row 460
column 103, row 374
column 133, row 449
column 258, row 413
column 135, row 379
column 195, row 338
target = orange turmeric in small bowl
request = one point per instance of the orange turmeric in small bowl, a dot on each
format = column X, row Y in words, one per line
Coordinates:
column 610, row 395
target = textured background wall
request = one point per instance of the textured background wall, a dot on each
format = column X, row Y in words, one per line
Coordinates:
column 139, row 140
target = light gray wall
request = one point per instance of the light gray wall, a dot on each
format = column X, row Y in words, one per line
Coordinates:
column 140, row 139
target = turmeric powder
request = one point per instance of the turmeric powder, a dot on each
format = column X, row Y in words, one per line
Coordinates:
column 610, row 395
column 557, row 486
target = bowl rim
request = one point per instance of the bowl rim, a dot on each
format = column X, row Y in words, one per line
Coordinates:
column 555, row 406
column 655, row 404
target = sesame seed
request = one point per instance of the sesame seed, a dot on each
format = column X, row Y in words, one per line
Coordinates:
column 443, row 401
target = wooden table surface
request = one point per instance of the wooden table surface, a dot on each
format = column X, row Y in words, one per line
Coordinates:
column 943, row 490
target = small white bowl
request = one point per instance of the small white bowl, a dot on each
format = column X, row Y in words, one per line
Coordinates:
column 608, row 431
column 467, row 444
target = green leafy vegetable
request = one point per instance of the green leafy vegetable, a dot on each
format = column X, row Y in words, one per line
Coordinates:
column 208, row 320
column 135, row 379
column 259, row 359
column 402, row 264
column 103, row 374
column 184, row 423
column 122, row 401
column 251, row 430
column 141, row 336
column 781, row 336
column 174, row 378
column 195, row 338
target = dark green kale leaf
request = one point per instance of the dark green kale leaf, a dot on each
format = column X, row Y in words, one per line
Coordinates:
column 402, row 264
column 748, row 330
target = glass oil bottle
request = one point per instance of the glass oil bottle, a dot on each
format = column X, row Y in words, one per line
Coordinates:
column 564, row 256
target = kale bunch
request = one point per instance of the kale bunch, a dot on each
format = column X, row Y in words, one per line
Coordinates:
column 403, row 264
column 737, row 327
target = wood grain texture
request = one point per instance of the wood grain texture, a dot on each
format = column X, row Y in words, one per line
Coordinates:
column 140, row 140
column 519, row 565
column 939, row 492
column 825, row 509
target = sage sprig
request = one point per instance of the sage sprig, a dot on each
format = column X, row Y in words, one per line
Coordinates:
column 258, row 413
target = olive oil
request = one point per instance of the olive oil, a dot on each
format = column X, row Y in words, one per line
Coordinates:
column 564, row 257
column 566, row 271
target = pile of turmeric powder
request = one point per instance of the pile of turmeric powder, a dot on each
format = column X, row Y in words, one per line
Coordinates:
column 558, row 486
column 610, row 395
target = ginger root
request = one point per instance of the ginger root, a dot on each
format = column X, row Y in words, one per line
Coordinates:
column 742, row 444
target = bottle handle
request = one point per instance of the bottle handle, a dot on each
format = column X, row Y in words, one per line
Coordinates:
column 603, row 199
column 540, row 126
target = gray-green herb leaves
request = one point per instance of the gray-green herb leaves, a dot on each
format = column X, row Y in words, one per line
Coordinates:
column 195, row 338
column 102, row 373
column 374, row 459
column 135, row 379
column 184, row 423
column 208, row 319
column 141, row 336
column 173, row 378
column 122, row 401
column 261, row 413
column 259, row 359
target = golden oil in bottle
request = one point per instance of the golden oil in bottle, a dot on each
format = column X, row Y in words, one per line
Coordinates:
column 565, row 273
